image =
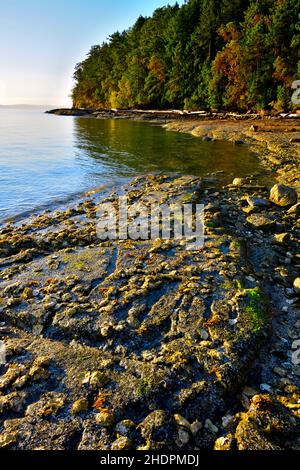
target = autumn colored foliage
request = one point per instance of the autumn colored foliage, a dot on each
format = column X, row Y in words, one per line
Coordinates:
column 208, row 54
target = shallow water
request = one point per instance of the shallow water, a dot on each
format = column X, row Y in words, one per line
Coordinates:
column 46, row 158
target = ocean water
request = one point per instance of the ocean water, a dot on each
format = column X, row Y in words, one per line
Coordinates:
column 45, row 159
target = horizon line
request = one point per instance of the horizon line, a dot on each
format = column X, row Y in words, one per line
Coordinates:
column 31, row 105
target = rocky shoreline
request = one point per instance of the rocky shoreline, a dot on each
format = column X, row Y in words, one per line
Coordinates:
column 144, row 344
column 274, row 139
column 276, row 142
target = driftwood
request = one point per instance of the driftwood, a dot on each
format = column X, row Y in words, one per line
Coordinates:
column 167, row 114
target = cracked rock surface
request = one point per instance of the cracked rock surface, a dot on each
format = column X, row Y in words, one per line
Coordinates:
column 145, row 344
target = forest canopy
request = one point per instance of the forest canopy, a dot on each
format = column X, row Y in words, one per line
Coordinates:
column 207, row 54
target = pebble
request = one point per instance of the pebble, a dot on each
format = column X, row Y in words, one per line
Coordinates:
column 181, row 421
column 105, row 419
column 283, row 196
column 123, row 443
column 266, row 388
column 257, row 202
column 210, row 426
column 96, row 379
column 260, row 221
column 297, row 285
column 80, row 406
column 281, row 238
column 204, row 335
column 238, row 182
column 293, row 334
column 195, row 427
column 183, row 438
column 226, row 420
column 125, row 427
column 223, row 443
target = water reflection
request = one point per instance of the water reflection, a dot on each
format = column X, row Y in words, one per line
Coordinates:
column 45, row 159
column 121, row 148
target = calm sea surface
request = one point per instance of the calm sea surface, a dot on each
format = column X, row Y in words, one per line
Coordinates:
column 45, row 159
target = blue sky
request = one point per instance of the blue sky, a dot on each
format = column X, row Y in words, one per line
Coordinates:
column 42, row 40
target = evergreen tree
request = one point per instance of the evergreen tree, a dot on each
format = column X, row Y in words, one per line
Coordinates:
column 233, row 54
